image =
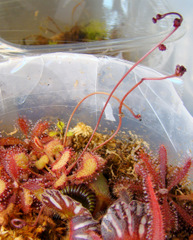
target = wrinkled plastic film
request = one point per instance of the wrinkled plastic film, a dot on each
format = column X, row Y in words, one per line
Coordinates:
column 50, row 86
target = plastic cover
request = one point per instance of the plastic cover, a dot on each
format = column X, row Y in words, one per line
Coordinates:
column 50, row 85
column 128, row 24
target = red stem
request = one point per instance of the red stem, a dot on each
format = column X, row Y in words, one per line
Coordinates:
column 121, row 105
column 77, row 106
column 172, row 13
column 124, row 76
column 38, row 217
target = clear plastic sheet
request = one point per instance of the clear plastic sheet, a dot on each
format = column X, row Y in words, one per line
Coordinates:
column 50, row 85
column 128, row 24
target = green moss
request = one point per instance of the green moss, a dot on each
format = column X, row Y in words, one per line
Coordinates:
column 95, row 31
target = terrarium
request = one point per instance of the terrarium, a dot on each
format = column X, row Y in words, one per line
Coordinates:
column 93, row 148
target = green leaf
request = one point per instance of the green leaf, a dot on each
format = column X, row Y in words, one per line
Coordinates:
column 60, row 125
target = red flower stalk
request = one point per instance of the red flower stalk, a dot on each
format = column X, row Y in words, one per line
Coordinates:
column 179, row 72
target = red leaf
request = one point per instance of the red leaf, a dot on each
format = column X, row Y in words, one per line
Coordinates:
column 180, row 174
column 32, row 184
column 39, row 128
column 26, row 200
column 11, row 166
column 24, row 125
column 156, row 226
column 63, row 160
column 150, row 168
column 12, row 141
column 187, row 217
column 170, row 220
column 163, row 164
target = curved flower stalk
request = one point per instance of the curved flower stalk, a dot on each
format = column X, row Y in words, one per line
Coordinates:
column 138, row 116
column 179, row 72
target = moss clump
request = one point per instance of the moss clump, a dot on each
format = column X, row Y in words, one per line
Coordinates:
column 95, row 31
